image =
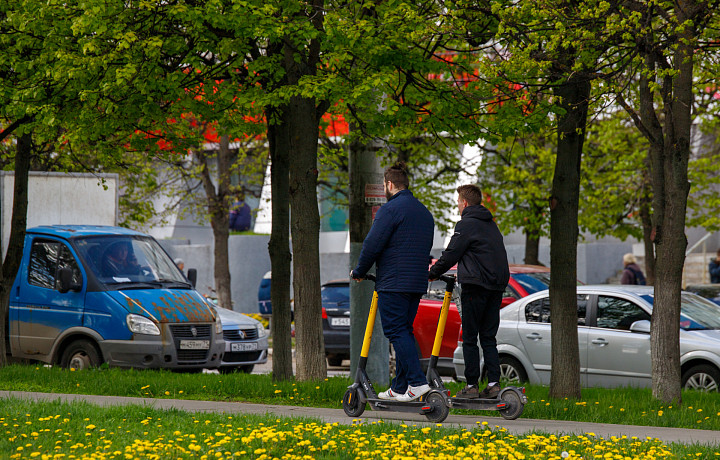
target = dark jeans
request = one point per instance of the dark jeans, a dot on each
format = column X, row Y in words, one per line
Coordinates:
column 480, row 317
column 397, row 314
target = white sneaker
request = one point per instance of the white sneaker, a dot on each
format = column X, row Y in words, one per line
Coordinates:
column 387, row 394
column 413, row 393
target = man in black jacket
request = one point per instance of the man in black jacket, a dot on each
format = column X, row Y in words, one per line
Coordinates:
column 399, row 244
column 478, row 249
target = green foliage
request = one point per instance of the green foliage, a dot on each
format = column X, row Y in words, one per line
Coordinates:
column 517, row 177
column 613, row 177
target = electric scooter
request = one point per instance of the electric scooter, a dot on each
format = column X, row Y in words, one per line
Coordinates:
column 433, row 405
column 511, row 400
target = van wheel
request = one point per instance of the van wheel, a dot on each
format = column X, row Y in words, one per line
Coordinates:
column 703, row 377
column 81, row 354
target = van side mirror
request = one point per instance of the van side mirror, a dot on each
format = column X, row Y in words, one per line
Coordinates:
column 192, row 276
column 64, row 277
column 642, row 326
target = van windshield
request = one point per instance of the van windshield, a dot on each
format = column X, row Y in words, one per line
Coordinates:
column 122, row 260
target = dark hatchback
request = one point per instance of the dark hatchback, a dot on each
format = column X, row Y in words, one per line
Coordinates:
column 336, row 320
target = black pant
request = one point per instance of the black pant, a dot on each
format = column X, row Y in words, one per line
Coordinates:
column 480, row 317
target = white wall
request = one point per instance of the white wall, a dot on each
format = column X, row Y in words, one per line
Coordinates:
column 61, row 198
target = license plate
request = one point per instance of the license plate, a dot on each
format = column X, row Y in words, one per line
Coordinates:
column 194, row 344
column 243, row 346
column 339, row 321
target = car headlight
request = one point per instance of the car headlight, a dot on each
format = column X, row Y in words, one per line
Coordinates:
column 141, row 325
column 218, row 325
column 261, row 330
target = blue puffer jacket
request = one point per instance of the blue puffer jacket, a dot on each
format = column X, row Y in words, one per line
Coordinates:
column 399, row 243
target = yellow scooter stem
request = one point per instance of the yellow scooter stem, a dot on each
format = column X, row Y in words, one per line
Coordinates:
column 369, row 327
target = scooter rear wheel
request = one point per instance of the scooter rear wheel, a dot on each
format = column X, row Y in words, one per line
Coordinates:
column 514, row 406
column 440, row 409
column 352, row 405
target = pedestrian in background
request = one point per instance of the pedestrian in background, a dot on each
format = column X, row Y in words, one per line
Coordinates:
column 240, row 216
column 180, row 264
column 477, row 248
column 399, row 243
column 632, row 274
column 714, row 268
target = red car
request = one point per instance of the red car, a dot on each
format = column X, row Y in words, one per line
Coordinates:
column 524, row 280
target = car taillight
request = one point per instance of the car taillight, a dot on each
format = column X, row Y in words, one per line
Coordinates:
column 324, row 313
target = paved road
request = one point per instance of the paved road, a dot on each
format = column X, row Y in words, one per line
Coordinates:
column 518, row 427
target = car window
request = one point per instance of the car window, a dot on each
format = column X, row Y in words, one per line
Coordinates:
column 510, row 292
column 121, row 259
column 336, row 293
column 616, row 313
column 533, row 282
column 46, row 258
column 698, row 313
column 539, row 310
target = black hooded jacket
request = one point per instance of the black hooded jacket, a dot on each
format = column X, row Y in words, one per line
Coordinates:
column 478, row 249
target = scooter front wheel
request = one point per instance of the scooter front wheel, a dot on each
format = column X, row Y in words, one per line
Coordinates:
column 514, row 406
column 440, row 409
column 352, row 405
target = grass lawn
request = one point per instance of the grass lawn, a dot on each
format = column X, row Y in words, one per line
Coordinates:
column 621, row 406
column 55, row 430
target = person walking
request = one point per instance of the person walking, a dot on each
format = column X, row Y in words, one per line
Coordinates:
column 714, row 268
column 477, row 248
column 632, row 274
column 399, row 244
column 240, row 216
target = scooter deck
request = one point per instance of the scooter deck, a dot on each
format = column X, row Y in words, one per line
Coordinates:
column 415, row 407
column 477, row 403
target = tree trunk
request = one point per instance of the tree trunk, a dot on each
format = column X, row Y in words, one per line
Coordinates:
column 671, row 188
column 305, row 224
column 532, row 247
column 565, row 377
column 646, row 220
column 218, row 207
column 18, row 225
column 304, row 128
column 279, row 246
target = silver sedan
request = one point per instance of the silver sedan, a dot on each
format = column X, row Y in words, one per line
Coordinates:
column 246, row 342
column 613, row 336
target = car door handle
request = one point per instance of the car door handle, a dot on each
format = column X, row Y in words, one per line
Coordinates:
column 601, row 342
column 534, row 336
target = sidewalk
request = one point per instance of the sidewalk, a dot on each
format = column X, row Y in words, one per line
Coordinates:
column 520, row 426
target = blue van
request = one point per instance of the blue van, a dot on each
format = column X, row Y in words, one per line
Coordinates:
column 88, row 295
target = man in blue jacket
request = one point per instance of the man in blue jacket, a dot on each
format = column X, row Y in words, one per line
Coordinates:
column 399, row 243
column 477, row 248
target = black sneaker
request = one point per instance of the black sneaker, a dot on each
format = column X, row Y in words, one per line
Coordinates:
column 470, row 391
column 490, row 392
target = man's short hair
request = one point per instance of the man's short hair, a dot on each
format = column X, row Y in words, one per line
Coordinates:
column 470, row 193
column 397, row 174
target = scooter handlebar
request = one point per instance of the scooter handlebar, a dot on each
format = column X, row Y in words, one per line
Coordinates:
column 448, row 278
column 450, row 282
column 368, row 276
